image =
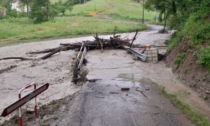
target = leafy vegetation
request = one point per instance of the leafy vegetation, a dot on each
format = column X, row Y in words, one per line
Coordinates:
column 191, row 19
column 166, row 8
column 204, row 57
column 196, row 118
column 40, row 11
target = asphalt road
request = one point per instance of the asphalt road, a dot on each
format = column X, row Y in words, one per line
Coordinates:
column 105, row 104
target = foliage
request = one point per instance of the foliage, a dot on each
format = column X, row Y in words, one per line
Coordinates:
column 204, row 57
column 191, row 19
column 12, row 13
column 26, row 2
column 40, row 11
column 179, row 59
column 60, row 6
column 74, row 2
column 138, row 1
column 166, row 8
column 3, row 3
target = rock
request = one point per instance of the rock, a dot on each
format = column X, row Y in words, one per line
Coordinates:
column 147, row 89
column 113, row 92
column 207, row 92
column 205, row 98
column 125, row 89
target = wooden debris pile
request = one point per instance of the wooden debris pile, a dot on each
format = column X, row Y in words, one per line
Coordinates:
column 114, row 42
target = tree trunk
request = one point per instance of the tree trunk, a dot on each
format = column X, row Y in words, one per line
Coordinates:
column 143, row 13
column 165, row 19
column 27, row 5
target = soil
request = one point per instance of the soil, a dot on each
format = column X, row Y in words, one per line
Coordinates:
column 46, row 113
column 191, row 74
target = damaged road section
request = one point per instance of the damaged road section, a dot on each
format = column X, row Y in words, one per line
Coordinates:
column 105, row 104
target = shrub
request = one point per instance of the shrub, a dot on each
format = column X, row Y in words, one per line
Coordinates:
column 204, row 57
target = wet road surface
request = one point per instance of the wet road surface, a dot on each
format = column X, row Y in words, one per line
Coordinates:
column 104, row 104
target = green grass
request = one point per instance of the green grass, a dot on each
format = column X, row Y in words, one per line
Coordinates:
column 196, row 118
column 16, row 29
column 124, row 9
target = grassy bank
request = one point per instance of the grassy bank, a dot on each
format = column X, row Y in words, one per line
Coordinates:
column 196, row 118
column 196, row 33
column 124, row 9
column 15, row 29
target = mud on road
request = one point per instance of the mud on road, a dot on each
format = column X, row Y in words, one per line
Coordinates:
column 102, row 102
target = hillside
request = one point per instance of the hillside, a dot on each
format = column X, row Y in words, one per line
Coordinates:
column 126, row 9
column 189, row 49
column 19, row 29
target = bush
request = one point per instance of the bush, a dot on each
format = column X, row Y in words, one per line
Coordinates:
column 204, row 57
column 40, row 11
column 12, row 13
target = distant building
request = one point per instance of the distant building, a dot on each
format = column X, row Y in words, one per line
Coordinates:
column 18, row 6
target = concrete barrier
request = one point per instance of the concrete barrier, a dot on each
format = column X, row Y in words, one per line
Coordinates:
column 152, row 55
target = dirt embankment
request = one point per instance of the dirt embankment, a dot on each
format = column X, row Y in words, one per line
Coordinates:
column 192, row 74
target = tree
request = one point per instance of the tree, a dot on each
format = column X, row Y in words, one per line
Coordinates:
column 26, row 2
column 143, row 12
column 70, row 8
column 166, row 8
column 74, row 2
column 60, row 7
column 40, row 11
column 143, row 1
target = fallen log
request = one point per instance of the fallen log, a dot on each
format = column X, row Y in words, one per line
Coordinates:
column 51, row 53
column 43, row 51
column 134, row 38
column 98, row 43
column 20, row 58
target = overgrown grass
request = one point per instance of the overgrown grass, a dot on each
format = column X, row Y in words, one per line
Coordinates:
column 124, row 9
column 198, row 33
column 204, row 57
column 14, row 29
column 196, row 118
